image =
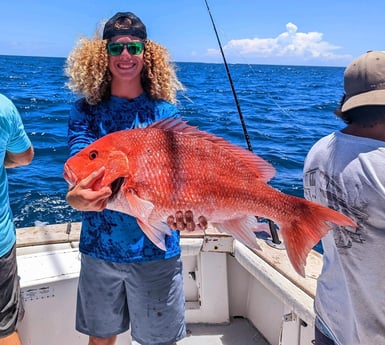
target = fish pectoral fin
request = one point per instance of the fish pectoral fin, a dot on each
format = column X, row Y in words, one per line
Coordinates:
column 154, row 229
column 139, row 208
column 155, row 232
column 142, row 210
column 242, row 229
column 157, row 224
column 120, row 204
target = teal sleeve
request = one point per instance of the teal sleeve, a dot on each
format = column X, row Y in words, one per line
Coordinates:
column 18, row 140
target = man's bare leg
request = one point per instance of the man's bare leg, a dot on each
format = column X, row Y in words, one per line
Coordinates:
column 102, row 341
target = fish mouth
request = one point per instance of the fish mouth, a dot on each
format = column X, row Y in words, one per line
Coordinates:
column 115, row 187
column 72, row 181
column 69, row 176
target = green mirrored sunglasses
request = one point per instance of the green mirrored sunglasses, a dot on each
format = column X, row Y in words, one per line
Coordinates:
column 133, row 48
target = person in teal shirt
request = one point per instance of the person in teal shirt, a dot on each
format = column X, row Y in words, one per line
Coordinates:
column 15, row 150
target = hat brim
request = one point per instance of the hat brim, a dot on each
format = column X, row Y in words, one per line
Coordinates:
column 375, row 97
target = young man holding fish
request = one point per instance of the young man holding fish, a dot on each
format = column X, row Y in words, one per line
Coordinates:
column 15, row 150
column 126, row 81
column 345, row 171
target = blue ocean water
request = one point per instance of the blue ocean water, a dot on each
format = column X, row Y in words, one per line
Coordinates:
column 285, row 108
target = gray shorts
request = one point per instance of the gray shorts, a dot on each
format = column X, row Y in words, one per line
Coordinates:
column 11, row 309
column 149, row 295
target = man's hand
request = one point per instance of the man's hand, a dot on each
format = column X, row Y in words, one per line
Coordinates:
column 84, row 198
column 186, row 221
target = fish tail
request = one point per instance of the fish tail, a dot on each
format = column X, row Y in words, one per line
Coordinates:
column 305, row 227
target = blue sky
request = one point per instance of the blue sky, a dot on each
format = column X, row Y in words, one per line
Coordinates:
column 298, row 32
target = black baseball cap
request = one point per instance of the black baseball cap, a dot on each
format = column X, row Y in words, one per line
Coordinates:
column 124, row 23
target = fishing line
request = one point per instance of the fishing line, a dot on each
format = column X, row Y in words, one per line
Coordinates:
column 274, row 235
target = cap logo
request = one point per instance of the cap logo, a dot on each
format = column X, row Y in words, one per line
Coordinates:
column 124, row 24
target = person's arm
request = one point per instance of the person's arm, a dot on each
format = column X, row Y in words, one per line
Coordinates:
column 18, row 150
column 82, row 196
column 13, row 160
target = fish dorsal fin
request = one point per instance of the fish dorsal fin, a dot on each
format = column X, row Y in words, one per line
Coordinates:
column 265, row 169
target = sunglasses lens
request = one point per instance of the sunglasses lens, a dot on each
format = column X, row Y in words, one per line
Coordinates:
column 115, row 48
column 135, row 48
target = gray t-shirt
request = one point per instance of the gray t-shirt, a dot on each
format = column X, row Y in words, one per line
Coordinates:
column 347, row 173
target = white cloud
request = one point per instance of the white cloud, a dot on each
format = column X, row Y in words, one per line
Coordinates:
column 306, row 46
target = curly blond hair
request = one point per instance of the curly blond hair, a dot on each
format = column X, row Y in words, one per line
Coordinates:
column 89, row 76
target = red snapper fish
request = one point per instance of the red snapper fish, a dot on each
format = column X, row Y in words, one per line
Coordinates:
column 171, row 166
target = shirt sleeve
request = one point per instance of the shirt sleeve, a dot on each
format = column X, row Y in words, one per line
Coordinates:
column 79, row 133
column 18, row 141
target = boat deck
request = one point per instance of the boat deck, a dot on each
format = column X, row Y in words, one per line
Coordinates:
column 239, row 332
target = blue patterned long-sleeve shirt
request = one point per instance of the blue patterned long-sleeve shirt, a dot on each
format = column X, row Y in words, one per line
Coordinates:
column 111, row 235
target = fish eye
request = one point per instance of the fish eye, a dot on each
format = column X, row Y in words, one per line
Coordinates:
column 93, row 154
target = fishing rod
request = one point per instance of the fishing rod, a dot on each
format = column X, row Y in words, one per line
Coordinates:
column 273, row 231
column 245, row 133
